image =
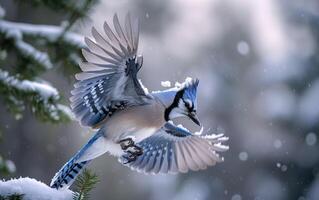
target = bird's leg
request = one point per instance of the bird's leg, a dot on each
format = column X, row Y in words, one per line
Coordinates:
column 129, row 158
column 132, row 154
column 138, row 150
column 134, row 150
column 126, row 143
column 131, row 149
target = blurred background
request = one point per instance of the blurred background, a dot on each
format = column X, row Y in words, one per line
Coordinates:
column 258, row 65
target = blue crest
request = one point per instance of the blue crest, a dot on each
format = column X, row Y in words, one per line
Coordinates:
column 190, row 89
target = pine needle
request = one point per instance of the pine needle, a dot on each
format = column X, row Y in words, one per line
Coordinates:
column 84, row 184
column 12, row 197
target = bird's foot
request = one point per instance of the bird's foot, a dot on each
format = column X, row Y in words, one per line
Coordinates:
column 134, row 150
column 132, row 153
column 129, row 158
column 131, row 149
column 126, row 143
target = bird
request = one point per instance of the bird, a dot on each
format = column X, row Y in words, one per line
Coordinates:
column 131, row 123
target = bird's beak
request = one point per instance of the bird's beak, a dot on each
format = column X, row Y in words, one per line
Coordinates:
column 194, row 118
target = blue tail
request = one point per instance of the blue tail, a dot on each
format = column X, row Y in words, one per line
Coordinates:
column 67, row 174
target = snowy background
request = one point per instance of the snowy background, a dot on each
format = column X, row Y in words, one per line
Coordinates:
column 258, row 65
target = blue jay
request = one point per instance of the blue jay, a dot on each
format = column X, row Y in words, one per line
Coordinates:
column 132, row 124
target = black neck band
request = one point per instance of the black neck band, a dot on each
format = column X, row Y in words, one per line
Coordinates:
column 178, row 95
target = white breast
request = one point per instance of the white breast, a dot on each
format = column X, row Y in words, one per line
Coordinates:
column 138, row 122
column 141, row 134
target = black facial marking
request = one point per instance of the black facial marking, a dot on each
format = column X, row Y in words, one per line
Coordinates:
column 178, row 96
column 189, row 108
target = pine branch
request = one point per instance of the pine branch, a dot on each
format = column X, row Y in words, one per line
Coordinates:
column 45, row 91
column 2, row 12
column 6, row 167
column 12, row 197
column 48, row 32
column 77, row 8
column 28, row 50
column 84, row 184
column 63, row 48
column 13, row 39
column 41, row 97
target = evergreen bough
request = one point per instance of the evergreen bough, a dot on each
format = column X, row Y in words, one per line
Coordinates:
column 84, row 184
column 29, row 50
column 12, row 197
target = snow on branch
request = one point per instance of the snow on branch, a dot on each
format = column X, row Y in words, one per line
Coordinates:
column 2, row 12
column 49, row 32
column 31, row 189
column 66, row 111
column 26, row 49
column 47, row 96
column 45, row 91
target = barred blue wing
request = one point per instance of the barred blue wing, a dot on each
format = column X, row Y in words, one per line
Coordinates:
column 108, row 81
column 174, row 149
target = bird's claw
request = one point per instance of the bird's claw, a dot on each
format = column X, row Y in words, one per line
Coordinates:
column 129, row 159
column 126, row 143
column 132, row 151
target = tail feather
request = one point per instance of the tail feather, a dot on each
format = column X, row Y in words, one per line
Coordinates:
column 67, row 174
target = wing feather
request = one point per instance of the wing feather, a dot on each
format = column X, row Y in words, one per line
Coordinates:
column 109, row 74
column 191, row 157
column 86, row 66
column 115, row 40
column 172, row 149
column 136, row 33
column 150, row 165
column 173, row 167
column 181, row 159
column 105, row 43
column 195, row 155
column 97, row 49
column 93, row 58
column 202, row 154
column 158, row 162
column 121, row 35
column 128, row 29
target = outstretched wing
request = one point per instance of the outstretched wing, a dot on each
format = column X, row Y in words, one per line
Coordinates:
column 108, row 82
column 173, row 149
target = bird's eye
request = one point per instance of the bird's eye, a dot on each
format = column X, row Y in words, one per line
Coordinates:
column 188, row 104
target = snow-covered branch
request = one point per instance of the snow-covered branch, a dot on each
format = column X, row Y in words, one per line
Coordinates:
column 32, row 189
column 66, row 111
column 42, row 97
column 50, row 32
column 45, row 93
column 16, row 32
column 44, row 90
column 26, row 49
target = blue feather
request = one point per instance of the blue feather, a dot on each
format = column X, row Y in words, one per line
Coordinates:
column 67, row 174
column 173, row 149
column 190, row 89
